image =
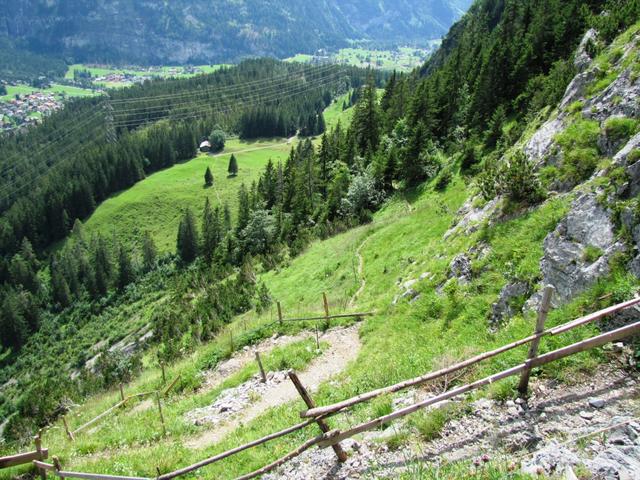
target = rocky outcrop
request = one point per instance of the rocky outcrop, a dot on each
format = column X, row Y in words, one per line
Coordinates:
column 470, row 217
column 541, row 147
column 583, row 55
column 620, row 99
column 460, row 269
column 578, row 251
column 505, row 308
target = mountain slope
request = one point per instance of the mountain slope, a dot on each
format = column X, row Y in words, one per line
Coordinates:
column 199, row 31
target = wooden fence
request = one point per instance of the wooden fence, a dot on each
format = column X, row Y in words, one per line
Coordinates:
column 71, row 434
column 23, row 458
column 332, row 438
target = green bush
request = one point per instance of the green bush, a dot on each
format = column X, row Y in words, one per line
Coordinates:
column 620, row 129
column 591, row 254
column 430, row 424
column 579, row 144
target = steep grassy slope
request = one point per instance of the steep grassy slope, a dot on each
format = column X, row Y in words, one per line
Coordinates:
column 403, row 241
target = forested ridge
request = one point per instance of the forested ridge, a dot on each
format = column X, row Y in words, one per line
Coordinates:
column 197, row 31
column 500, row 65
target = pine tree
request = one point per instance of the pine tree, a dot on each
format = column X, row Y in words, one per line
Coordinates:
column 366, row 122
column 208, row 178
column 244, row 209
column 226, row 217
column 233, row 166
column 187, row 244
column 60, row 291
column 149, row 252
column 126, row 273
column 211, row 231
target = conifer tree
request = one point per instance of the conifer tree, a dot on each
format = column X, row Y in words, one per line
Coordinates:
column 126, row 273
column 244, row 209
column 149, row 252
column 188, row 238
column 211, row 231
column 60, row 291
column 233, row 166
column 103, row 269
column 208, row 178
column 226, row 217
column 367, row 120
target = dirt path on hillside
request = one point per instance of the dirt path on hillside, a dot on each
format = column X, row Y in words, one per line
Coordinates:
column 213, row 378
column 363, row 281
column 344, row 345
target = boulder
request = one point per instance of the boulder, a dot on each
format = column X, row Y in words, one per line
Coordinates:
column 616, row 462
column 551, row 459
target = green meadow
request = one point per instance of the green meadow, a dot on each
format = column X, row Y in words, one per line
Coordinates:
column 60, row 91
column 157, row 203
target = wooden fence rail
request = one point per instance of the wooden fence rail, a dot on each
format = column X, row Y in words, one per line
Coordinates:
column 336, row 407
column 552, row 356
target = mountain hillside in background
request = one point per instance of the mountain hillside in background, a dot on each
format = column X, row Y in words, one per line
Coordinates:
column 200, row 31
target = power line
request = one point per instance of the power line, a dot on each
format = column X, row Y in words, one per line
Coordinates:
column 202, row 110
column 292, row 92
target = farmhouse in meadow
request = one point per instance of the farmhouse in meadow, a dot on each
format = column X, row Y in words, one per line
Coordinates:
column 205, row 146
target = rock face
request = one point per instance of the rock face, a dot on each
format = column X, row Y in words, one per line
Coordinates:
column 460, row 268
column 620, row 99
column 469, row 218
column 504, row 309
column 569, row 262
column 583, row 56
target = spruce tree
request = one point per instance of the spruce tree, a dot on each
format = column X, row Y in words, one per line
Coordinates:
column 211, row 231
column 208, row 178
column 244, row 209
column 366, row 122
column 226, row 217
column 126, row 273
column 149, row 252
column 233, row 166
column 187, row 244
column 60, row 291
column 103, row 269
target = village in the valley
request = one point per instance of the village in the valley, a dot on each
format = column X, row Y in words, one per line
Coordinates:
column 27, row 109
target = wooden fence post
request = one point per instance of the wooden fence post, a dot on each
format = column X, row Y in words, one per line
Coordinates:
column 57, row 466
column 340, row 453
column 326, row 307
column 38, row 441
column 164, row 373
column 264, row 376
column 66, row 429
column 545, row 304
column 279, row 313
column 121, row 392
column 164, row 428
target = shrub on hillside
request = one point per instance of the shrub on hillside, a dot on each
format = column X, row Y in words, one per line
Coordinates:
column 217, row 140
column 620, row 129
column 514, row 178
